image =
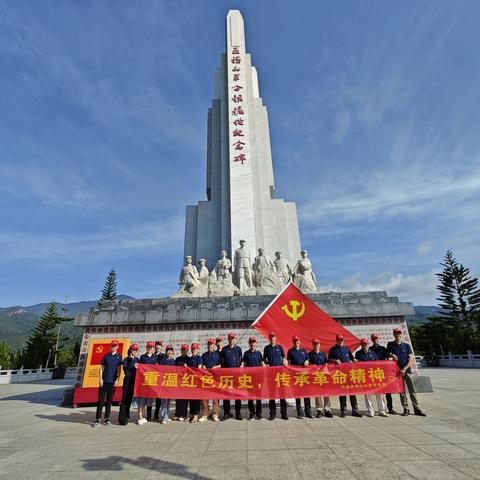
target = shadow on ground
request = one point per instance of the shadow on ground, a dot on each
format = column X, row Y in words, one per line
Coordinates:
column 114, row 464
column 86, row 418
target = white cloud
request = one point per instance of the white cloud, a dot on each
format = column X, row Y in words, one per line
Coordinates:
column 424, row 248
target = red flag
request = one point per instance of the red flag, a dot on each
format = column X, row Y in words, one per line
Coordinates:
column 293, row 313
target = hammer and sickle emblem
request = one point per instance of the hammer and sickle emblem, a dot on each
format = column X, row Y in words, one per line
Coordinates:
column 99, row 349
column 294, row 314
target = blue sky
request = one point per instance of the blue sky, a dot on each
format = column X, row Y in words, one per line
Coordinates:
column 374, row 116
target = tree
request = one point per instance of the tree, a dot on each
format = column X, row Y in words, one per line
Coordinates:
column 457, row 327
column 109, row 291
column 5, row 356
column 42, row 340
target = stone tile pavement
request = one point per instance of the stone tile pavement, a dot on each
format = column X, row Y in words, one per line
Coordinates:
column 40, row 440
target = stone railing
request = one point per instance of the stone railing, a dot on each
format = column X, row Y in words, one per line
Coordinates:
column 468, row 360
column 31, row 375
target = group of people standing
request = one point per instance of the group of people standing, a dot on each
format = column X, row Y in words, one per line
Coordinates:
column 231, row 356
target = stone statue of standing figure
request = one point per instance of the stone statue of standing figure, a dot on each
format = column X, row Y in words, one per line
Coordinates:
column 283, row 268
column 188, row 280
column 304, row 277
column 243, row 267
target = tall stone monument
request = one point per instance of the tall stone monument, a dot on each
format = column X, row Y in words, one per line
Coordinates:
column 240, row 188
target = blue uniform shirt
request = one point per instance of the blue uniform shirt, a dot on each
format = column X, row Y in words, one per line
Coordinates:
column 231, row 357
column 167, row 361
column 159, row 356
column 340, row 353
column 297, row 357
column 149, row 360
column 402, row 351
column 110, row 364
column 211, row 359
column 367, row 356
column 252, row 359
column 317, row 358
column 182, row 361
column 381, row 351
column 273, row 355
column 129, row 368
column 195, row 361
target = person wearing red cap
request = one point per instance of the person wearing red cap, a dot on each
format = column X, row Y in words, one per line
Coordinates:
column 166, row 360
column 338, row 354
column 110, row 366
column 130, row 370
column 181, row 405
column 231, row 358
column 210, row 359
column 148, row 358
column 253, row 358
column 365, row 354
column 195, row 361
column 274, row 356
column 158, row 402
column 317, row 357
column 382, row 354
column 402, row 353
column 298, row 357
column 219, row 345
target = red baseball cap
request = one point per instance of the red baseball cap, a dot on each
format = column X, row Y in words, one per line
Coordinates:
column 218, row 339
column 169, row 347
column 134, row 346
column 185, row 347
column 339, row 337
column 150, row 344
column 295, row 338
column 397, row 330
column 114, row 342
column 195, row 346
column 315, row 340
column 364, row 341
column 272, row 334
column 232, row 335
column 252, row 339
column 211, row 341
column 374, row 336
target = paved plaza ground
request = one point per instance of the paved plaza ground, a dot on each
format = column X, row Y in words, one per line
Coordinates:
column 41, row 440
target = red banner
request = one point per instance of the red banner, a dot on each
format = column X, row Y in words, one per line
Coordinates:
column 293, row 313
column 156, row 381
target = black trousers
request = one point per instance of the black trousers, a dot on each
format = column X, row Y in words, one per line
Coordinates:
column 255, row 407
column 105, row 397
column 158, row 403
column 306, row 402
column 226, row 407
column 127, row 394
column 272, row 406
column 353, row 403
column 194, row 407
column 389, row 398
column 181, row 408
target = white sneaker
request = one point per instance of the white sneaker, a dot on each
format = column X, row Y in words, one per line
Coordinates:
column 163, row 422
column 181, row 419
column 382, row 414
column 202, row 419
column 370, row 414
column 215, row 418
column 141, row 421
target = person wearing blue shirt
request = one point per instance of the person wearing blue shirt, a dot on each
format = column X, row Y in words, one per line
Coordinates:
column 158, row 402
column 231, row 358
column 366, row 354
column 382, row 354
column 210, row 359
column 108, row 379
column 317, row 357
column 148, row 358
column 195, row 361
column 338, row 354
column 298, row 356
column 181, row 405
column 130, row 370
column 402, row 353
column 274, row 356
column 168, row 360
column 253, row 358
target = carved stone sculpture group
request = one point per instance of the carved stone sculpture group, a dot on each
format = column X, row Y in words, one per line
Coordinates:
column 262, row 276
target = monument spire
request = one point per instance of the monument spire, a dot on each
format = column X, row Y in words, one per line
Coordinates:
column 240, row 186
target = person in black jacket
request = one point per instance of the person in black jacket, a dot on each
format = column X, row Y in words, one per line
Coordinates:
column 130, row 371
